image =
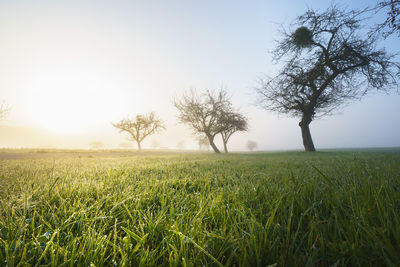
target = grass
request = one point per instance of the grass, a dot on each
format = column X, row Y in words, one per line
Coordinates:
column 279, row 209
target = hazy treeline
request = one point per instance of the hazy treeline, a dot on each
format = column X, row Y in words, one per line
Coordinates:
column 328, row 58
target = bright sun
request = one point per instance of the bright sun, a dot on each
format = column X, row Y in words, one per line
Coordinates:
column 67, row 101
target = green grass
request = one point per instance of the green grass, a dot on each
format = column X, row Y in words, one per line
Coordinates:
column 326, row 208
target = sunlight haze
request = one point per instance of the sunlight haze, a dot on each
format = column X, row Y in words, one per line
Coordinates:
column 68, row 69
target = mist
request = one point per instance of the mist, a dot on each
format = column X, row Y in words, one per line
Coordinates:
column 70, row 70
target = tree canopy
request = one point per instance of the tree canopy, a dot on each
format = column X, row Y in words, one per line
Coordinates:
column 210, row 113
column 140, row 127
column 232, row 122
column 202, row 112
column 251, row 145
column 392, row 23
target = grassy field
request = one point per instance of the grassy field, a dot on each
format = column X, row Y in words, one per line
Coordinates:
column 280, row 209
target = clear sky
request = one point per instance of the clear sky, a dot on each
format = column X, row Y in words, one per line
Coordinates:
column 70, row 68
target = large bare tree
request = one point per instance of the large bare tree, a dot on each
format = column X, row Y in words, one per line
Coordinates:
column 210, row 113
column 202, row 112
column 140, row 127
column 328, row 60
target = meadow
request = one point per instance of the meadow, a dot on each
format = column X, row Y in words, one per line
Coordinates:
column 330, row 208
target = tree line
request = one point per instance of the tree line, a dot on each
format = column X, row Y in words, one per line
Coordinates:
column 208, row 114
column 329, row 59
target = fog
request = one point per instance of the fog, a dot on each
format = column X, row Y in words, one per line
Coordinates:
column 70, row 69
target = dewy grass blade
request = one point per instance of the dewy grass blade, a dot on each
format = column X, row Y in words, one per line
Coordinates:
column 49, row 243
column 184, row 237
column 237, row 209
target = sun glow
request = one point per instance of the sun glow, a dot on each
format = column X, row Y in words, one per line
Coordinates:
column 68, row 101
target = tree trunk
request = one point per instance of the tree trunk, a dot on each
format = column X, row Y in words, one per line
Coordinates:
column 211, row 140
column 139, row 146
column 306, row 134
column 225, row 147
column 225, row 138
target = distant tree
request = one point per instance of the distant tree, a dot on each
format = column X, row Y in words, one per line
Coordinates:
column 96, row 144
column 211, row 114
column 328, row 61
column 140, row 127
column 155, row 143
column 203, row 142
column 392, row 22
column 251, row 145
column 125, row 145
column 202, row 113
column 232, row 122
column 4, row 109
column 180, row 145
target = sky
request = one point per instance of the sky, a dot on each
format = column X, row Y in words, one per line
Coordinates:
column 68, row 69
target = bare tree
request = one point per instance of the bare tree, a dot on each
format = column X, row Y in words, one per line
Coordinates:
column 251, row 145
column 328, row 62
column 211, row 114
column 140, row 127
column 232, row 122
column 202, row 113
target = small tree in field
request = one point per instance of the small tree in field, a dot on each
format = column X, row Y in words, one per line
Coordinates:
column 251, row 145
column 329, row 61
column 140, row 127
column 96, row 144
